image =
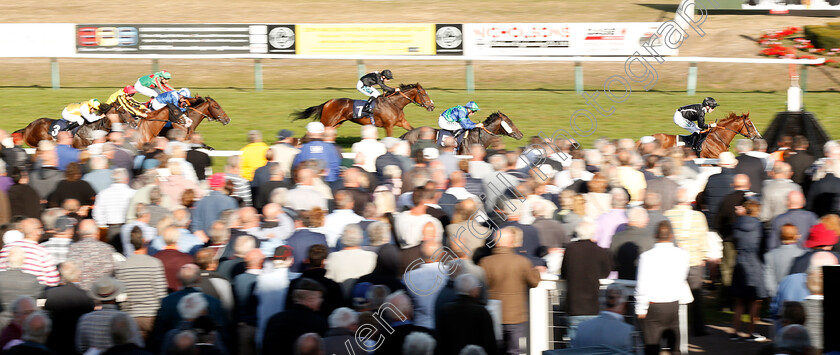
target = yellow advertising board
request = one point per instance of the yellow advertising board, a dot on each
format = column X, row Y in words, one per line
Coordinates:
column 370, row 39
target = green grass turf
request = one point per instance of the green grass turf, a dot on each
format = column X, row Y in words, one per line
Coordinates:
column 532, row 110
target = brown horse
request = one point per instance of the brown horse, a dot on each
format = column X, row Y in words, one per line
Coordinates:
column 38, row 129
column 201, row 108
column 497, row 124
column 718, row 138
column 387, row 113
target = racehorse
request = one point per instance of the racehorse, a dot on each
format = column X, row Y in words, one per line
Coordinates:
column 718, row 138
column 199, row 109
column 497, row 124
column 387, row 113
column 38, row 129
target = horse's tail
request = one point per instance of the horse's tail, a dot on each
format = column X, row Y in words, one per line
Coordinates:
column 314, row 112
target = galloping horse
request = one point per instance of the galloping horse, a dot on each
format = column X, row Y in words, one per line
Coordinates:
column 387, row 113
column 718, row 139
column 38, row 129
column 199, row 109
column 497, row 124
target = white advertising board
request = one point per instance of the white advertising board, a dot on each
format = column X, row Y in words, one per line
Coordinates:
column 37, row 39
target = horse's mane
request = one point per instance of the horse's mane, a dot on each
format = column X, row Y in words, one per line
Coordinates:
column 493, row 117
column 404, row 87
column 200, row 100
column 731, row 117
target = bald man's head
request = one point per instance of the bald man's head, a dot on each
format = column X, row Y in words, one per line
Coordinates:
column 795, row 200
column 741, row 182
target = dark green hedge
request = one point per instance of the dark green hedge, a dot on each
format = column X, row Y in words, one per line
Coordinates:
column 827, row 37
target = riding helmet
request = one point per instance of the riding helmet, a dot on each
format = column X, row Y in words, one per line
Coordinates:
column 472, row 106
column 184, row 92
column 387, row 74
column 164, row 74
column 129, row 90
column 710, row 102
column 93, row 103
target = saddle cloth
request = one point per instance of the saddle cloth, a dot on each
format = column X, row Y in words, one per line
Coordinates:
column 358, row 105
column 59, row 125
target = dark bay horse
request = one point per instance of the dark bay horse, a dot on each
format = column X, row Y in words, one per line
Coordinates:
column 718, row 138
column 199, row 109
column 387, row 113
column 38, row 129
column 497, row 124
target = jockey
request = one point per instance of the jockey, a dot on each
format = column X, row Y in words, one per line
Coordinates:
column 457, row 119
column 687, row 115
column 175, row 100
column 125, row 98
column 79, row 112
column 155, row 84
column 366, row 83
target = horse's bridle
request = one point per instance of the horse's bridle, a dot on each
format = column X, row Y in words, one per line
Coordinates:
column 742, row 127
column 411, row 100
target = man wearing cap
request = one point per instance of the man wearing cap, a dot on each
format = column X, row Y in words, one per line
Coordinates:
column 253, row 155
column 208, row 209
column 284, row 151
column 59, row 244
column 93, row 329
column 318, row 149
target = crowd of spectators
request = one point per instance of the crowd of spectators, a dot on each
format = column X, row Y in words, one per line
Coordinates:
column 405, row 248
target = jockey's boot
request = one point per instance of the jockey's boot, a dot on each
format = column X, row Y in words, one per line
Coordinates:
column 697, row 144
column 366, row 108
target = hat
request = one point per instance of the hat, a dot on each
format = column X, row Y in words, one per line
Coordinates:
column 390, row 142
column 820, row 236
column 430, row 153
column 727, row 160
column 217, row 180
column 98, row 134
column 106, row 289
column 282, row 252
column 647, row 139
column 284, row 133
column 64, row 223
column 315, row 127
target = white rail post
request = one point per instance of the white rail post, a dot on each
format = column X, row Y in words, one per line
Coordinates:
column 470, row 77
column 691, row 83
column 155, row 66
column 578, row 77
column 55, row 75
column 360, row 66
column 258, row 76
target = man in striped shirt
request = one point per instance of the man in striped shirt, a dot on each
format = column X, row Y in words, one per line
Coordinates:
column 37, row 260
column 145, row 283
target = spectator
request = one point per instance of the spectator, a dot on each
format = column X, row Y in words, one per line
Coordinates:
column 509, row 276
column 45, row 176
column 419, row 343
column 145, row 283
column 774, row 200
column 93, row 329
column 111, row 206
column 751, row 166
column 15, row 283
column 171, row 258
column 37, row 260
column 628, row 244
column 793, row 339
column 284, row 151
column 778, row 261
column 144, row 216
column 23, row 199
column 423, row 277
column 98, row 176
column 21, row 308
column 316, row 148
column 66, row 304
column 121, row 335
column 820, row 239
column 253, row 155
column 351, row 262
column 343, row 323
column 276, row 179
column 719, row 186
column 309, row 344
column 273, row 286
column 723, row 224
column 240, row 187
column 208, row 209
column 168, row 317
column 584, row 264
column 531, row 246
column 747, row 282
column 824, row 194
column 197, row 156
column 72, row 187
column 300, row 318
column 608, row 223
column 305, row 236
column 59, row 244
column 800, row 160
column 399, row 315
column 36, row 329
column 661, row 286
column 246, row 301
column 304, row 196
column 796, row 215
column 609, row 321
column 94, row 258
column 370, row 147
column 465, row 231
column 332, row 294
column 387, row 270
column 343, row 215
column 465, row 321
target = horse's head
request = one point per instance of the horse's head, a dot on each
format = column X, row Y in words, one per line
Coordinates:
column 740, row 124
column 749, row 127
column 418, row 94
column 499, row 123
column 216, row 111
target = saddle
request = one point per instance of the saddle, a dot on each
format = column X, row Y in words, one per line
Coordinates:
column 59, row 126
column 693, row 140
column 358, row 105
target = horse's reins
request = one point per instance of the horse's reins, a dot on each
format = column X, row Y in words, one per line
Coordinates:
column 410, row 99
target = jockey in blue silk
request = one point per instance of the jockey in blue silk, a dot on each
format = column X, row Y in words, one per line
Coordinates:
column 175, row 100
column 457, row 119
